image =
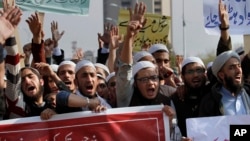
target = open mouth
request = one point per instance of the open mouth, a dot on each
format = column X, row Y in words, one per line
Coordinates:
column 238, row 78
column 67, row 83
column 151, row 91
column 90, row 87
column 196, row 81
column 31, row 88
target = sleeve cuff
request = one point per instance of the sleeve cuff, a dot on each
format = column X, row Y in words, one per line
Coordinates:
column 57, row 51
column 104, row 50
column 62, row 98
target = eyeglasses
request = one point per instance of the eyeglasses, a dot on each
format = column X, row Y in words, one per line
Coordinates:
column 198, row 71
column 112, row 84
column 102, row 85
column 153, row 78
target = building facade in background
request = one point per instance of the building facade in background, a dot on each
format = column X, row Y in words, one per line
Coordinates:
column 111, row 8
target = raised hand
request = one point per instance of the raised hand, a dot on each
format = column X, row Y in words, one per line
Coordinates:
column 9, row 20
column 137, row 19
column 35, row 26
column 79, row 55
column 138, row 14
column 115, row 38
column 223, row 14
column 105, row 38
column 56, row 35
column 44, row 69
column 49, row 46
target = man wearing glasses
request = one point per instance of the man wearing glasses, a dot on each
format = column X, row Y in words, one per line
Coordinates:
column 187, row 97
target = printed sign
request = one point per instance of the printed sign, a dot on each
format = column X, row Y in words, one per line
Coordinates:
column 156, row 29
column 133, row 124
column 215, row 128
column 78, row 7
column 239, row 16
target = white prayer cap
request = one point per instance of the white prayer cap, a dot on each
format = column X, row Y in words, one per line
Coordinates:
column 67, row 63
column 157, row 47
column 100, row 76
column 221, row 59
column 110, row 76
column 54, row 67
column 141, row 65
column 209, row 64
column 83, row 63
column 141, row 54
column 105, row 68
column 192, row 60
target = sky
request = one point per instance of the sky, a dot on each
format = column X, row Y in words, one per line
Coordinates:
column 84, row 29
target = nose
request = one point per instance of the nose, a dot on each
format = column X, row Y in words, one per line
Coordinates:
column 238, row 69
column 161, row 63
column 26, row 80
column 67, row 74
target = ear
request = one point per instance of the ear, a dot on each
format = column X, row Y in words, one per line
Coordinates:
column 42, row 82
column 75, row 82
column 221, row 75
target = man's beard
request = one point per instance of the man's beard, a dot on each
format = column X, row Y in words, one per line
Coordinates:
column 195, row 88
column 234, row 88
column 34, row 97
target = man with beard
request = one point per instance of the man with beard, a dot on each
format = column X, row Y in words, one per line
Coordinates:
column 187, row 98
column 228, row 96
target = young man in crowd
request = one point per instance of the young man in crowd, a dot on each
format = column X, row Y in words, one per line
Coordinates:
column 86, row 97
column 187, row 98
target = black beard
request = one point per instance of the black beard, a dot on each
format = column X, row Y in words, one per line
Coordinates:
column 231, row 86
column 196, row 88
column 35, row 97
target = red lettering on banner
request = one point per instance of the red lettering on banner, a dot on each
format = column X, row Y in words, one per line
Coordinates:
column 129, row 126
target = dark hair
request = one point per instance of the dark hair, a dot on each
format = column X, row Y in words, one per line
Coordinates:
column 35, row 71
column 183, row 69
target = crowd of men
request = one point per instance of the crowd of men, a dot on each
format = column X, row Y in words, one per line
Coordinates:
column 120, row 77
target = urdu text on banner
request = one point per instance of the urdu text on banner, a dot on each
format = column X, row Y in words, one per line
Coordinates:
column 123, row 124
column 75, row 7
column 155, row 31
column 239, row 16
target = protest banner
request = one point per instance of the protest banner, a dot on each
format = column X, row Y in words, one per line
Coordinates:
column 214, row 128
column 123, row 124
column 76, row 7
column 239, row 16
column 156, row 29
